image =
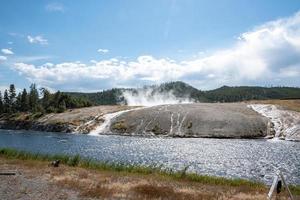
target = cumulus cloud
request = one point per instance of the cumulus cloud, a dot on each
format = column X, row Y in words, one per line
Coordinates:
column 7, row 51
column 37, row 40
column 55, row 7
column 3, row 58
column 103, row 51
column 268, row 54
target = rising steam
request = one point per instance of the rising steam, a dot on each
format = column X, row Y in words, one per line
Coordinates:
column 151, row 97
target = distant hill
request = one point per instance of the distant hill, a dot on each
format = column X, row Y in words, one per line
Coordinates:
column 182, row 90
column 242, row 93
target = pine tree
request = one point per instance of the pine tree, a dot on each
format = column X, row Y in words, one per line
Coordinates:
column 18, row 105
column 1, row 103
column 6, row 102
column 57, row 99
column 33, row 98
column 24, row 101
column 61, row 106
column 46, row 98
column 12, row 97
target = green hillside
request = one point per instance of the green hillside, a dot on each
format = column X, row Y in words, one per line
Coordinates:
column 242, row 93
column 182, row 90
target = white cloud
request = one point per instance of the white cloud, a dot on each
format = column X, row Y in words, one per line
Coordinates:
column 103, row 51
column 37, row 40
column 55, row 7
column 3, row 58
column 7, row 51
column 2, row 89
column 269, row 54
column 6, row 87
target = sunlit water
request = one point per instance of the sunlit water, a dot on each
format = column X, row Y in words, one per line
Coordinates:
column 243, row 158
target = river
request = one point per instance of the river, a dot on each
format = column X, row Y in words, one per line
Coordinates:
column 233, row 158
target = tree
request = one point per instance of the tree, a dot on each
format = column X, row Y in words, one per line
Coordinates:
column 57, row 99
column 12, row 97
column 6, row 102
column 61, row 106
column 33, row 98
column 46, row 98
column 24, row 101
column 1, row 103
column 18, row 105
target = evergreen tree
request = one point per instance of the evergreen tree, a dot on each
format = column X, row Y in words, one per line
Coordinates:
column 57, row 99
column 33, row 98
column 6, row 102
column 1, row 103
column 24, row 101
column 46, row 98
column 12, row 97
column 61, row 106
column 18, row 105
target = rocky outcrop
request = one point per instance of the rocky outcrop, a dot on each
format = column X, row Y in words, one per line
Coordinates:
column 36, row 126
column 228, row 120
column 81, row 120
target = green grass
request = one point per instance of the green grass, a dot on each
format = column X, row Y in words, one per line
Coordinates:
column 295, row 189
column 77, row 161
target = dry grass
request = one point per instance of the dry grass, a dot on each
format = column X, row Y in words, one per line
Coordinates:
column 152, row 191
column 82, row 174
column 286, row 104
column 98, row 191
column 147, row 191
column 87, row 190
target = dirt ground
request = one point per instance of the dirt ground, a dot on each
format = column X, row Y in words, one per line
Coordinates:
column 36, row 180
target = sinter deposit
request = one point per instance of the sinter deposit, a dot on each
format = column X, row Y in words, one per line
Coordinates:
column 284, row 124
column 218, row 120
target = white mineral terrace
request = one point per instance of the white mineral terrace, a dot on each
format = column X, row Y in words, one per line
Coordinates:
column 286, row 123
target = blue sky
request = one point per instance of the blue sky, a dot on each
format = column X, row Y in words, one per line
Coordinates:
column 94, row 45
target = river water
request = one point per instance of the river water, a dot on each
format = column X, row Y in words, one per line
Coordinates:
column 234, row 158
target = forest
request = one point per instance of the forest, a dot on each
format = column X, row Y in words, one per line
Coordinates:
column 38, row 100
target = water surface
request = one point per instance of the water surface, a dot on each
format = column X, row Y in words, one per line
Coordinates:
column 242, row 158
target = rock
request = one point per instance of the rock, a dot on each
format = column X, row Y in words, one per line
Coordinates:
column 81, row 120
column 55, row 163
column 227, row 120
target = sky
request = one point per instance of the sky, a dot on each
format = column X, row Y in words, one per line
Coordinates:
column 94, row 45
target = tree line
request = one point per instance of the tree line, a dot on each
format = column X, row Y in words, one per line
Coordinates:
column 34, row 101
column 182, row 90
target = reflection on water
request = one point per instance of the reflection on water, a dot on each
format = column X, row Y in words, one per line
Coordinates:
column 251, row 159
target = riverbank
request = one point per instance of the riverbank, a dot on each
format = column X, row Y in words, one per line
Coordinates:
column 80, row 120
column 199, row 120
column 78, row 178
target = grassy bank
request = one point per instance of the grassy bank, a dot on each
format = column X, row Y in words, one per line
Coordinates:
column 77, row 161
column 163, row 179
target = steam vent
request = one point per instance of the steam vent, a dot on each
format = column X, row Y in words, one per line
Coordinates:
column 192, row 120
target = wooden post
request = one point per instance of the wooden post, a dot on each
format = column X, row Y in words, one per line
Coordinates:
column 275, row 180
column 274, row 184
column 287, row 187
